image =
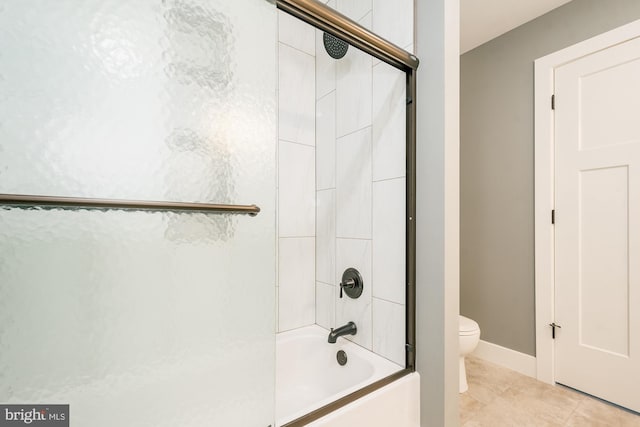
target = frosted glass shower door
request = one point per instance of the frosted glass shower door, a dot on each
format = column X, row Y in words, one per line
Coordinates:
column 139, row 318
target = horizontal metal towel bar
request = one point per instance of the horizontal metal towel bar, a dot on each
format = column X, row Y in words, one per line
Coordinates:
column 23, row 200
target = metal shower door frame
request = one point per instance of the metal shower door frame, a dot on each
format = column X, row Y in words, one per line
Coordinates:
column 333, row 22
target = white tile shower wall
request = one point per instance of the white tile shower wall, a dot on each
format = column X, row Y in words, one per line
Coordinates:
column 296, row 282
column 389, row 122
column 296, row 33
column 325, row 68
column 353, row 185
column 389, row 240
column 296, row 174
column 363, row 174
column 389, row 330
column 325, row 305
column 296, row 190
column 353, row 92
column 326, row 141
column 326, row 236
column 393, row 20
column 296, row 96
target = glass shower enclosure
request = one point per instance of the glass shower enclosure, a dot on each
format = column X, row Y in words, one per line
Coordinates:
column 132, row 314
column 167, row 169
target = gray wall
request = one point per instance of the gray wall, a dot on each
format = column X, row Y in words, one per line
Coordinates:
column 496, row 165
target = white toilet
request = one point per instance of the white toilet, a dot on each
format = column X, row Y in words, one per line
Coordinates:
column 469, row 333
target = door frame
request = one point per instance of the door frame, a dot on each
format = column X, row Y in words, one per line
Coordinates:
column 544, row 164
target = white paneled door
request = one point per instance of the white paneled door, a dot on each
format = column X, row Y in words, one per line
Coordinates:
column 597, row 240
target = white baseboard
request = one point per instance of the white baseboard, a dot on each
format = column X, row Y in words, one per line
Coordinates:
column 511, row 359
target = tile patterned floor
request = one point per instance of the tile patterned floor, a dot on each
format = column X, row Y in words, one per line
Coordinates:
column 500, row 397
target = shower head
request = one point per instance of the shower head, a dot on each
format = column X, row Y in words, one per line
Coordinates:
column 335, row 47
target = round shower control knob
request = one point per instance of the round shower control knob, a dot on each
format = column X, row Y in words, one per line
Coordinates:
column 352, row 283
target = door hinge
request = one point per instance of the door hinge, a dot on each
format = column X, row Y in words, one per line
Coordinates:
column 554, row 325
column 553, row 102
column 553, row 216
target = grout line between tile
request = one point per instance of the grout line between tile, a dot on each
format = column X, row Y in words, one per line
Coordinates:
column 390, row 179
column 389, row 301
column 295, row 48
column 353, row 238
column 323, row 96
column 352, row 132
column 297, row 143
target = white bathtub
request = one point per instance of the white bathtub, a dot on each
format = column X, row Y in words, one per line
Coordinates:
column 308, row 375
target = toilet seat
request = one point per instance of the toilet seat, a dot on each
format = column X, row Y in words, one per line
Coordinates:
column 468, row 326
